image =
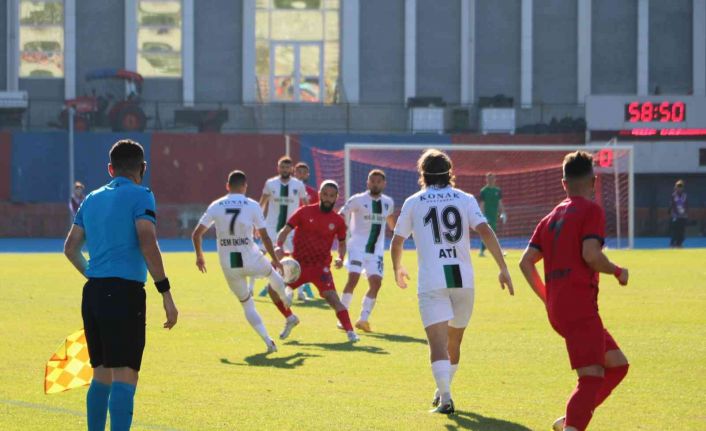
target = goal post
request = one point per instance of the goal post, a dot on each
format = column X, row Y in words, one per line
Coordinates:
column 528, row 175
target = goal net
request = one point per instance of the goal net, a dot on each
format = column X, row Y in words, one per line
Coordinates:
column 529, row 177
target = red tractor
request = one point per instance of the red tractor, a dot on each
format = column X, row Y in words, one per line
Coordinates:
column 104, row 109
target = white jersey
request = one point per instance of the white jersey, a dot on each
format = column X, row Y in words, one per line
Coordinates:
column 368, row 218
column 235, row 216
column 439, row 219
column 283, row 200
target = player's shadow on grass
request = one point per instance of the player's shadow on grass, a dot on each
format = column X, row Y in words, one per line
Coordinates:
column 311, row 303
column 345, row 346
column 396, row 338
column 475, row 422
column 264, row 360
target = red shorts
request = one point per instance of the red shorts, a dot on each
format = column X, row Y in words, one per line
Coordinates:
column 587, row 342
column 319, row 276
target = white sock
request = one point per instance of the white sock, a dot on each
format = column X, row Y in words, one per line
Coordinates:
column 441, row 370
column 452, row 372
column 368, row 304
column 346, row 299
column 254, row 319
column 277, row 283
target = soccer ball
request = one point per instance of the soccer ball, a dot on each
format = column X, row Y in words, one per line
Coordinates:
column 292, row 270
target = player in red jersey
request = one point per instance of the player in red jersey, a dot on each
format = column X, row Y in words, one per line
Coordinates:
column 570, row 240
column 315, row 227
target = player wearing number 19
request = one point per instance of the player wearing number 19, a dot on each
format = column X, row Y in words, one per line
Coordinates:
column 569, row 239
column 235, row 216
column 440, row 218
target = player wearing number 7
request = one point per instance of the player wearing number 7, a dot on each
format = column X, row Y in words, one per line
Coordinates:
column 235, row 216
column 569, row 239
column 440, row 218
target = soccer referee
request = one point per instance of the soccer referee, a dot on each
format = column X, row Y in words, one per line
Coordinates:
column 117, row 223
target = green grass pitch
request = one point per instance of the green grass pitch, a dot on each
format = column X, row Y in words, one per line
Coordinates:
column 210, row 373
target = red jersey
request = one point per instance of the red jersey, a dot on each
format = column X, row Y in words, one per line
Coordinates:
column 313, row 195
column 572, row 286
column 314, row 231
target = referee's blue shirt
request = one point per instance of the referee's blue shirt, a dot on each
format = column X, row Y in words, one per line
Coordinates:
column 108, row 216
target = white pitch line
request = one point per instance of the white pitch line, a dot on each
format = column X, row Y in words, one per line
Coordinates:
column 64, row 411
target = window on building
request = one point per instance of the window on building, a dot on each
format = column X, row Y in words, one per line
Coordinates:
column 702, row 156
column 159, row 27
column 41, row 38
column 297, row 50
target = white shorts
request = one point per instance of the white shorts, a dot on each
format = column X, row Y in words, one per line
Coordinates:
column 442, row 305
column 272, row 232
column 254, row 265
column 358, row 261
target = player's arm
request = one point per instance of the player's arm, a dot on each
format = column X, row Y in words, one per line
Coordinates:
column 197, row 240
column 267, row 243
column 491, row 242
column 528, row 266
column 281, row 238
column 147, row 236
column 391, row 220
column 72, row 248
column 401, row 275
column 264, row 200
column 592, row 253
column 338, row 263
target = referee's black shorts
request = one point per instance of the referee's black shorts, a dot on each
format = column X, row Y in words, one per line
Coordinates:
column 113, row 311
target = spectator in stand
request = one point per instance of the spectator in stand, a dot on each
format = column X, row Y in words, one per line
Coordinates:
column 77, row 197
column 678, row 216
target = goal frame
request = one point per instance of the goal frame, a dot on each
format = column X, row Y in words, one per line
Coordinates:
column 348, row 147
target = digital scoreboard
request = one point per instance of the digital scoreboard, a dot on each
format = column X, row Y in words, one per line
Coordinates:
column 645, row 116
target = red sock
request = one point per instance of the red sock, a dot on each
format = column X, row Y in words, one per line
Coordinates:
column 286, row 312
column 613, row 377
column 579, row 408
column 345, row 319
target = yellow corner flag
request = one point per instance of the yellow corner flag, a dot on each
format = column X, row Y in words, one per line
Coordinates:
column 69, row 367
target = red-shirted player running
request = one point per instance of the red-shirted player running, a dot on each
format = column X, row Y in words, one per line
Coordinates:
column 315, row 227
column 570, row 240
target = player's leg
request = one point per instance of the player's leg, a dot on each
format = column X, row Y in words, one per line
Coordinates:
column 462, row 304
column 123, row 326
column 99, row 391
column 436, row 311
column 373, row 266
column 354, row 265
column 462, row 301
column 586, row 344
column 238, row 285
column 351, row 283
column 616, row 368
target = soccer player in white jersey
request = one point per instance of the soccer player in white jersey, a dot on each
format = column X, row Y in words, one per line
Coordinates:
column 235, row 216
column 440, row 218
column 281, row 196
column 367, row 213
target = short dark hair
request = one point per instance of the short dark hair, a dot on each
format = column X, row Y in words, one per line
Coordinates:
column 284, row 159
column 127, row 155
column 301, row 165
column 577, row 165
column 435, row 169
column 237, row 179
column 378, row 172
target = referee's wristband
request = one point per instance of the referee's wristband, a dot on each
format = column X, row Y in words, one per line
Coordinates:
column 162, row 286
column 618, row 271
